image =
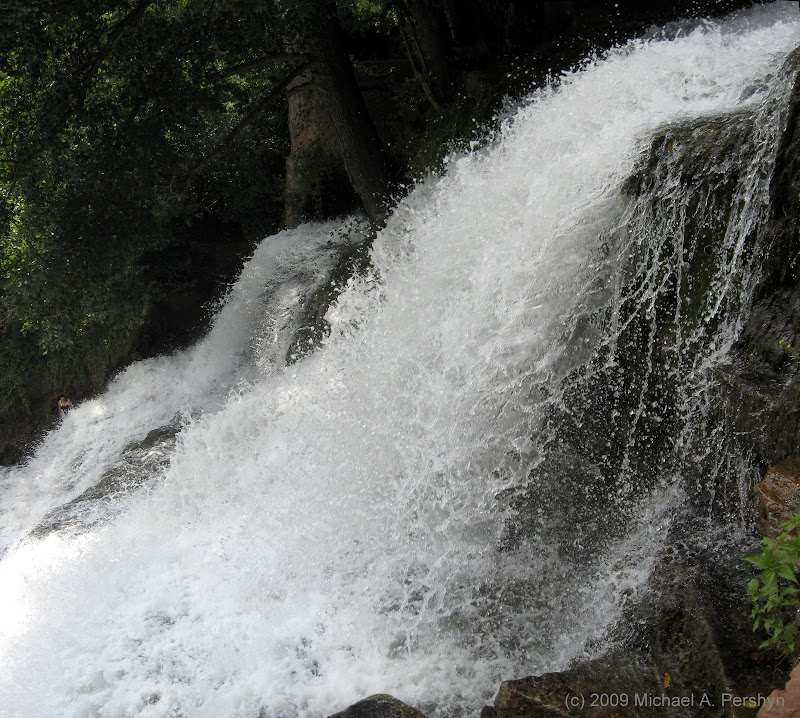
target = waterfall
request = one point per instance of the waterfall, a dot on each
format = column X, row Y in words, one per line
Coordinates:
column 476, row 469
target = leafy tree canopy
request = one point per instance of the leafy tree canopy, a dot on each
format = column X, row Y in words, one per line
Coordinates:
column 120, row 123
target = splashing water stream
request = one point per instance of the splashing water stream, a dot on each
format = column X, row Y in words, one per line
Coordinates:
column 409, row 509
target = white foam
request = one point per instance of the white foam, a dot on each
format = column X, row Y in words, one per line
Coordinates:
column 331, row 530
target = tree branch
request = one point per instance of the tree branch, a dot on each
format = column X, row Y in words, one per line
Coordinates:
column 133, row 16
column 299, row 88
column 253, row 64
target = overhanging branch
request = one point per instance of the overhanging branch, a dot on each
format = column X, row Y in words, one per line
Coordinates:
column 254, row 64
column 132, row 17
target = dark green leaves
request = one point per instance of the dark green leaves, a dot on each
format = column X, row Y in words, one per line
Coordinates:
column 112, row 144
column 774, row 594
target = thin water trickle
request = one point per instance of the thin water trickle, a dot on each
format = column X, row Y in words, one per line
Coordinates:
column 463, row 484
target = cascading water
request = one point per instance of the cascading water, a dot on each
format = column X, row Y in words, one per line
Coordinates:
column 436, row 499
column 134, row 424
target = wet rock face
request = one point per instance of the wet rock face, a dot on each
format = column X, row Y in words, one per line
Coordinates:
column 352, row 260
column 621, row 423
column 760, row 391
column 778, row 496
column 691, row 630
column 761, row 407
column 139, row 463
column 784, row 263
column 685, row 649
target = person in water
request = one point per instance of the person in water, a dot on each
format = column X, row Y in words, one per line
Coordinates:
column 64, row 405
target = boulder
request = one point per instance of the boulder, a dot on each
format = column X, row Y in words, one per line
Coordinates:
column 778, row 496
column 380, row 705
column 612, row 686
column 696, row 627
column 783, row 703
column 683, row 649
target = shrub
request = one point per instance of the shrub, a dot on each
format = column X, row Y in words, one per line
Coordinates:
column 776, row 603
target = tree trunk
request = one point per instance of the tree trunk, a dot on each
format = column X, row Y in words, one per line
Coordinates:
column 471, row 29
column 314, row 153
column 319, row 37
column 427, row 38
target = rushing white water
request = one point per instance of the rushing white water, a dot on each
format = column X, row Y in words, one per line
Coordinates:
column 250, row 337
column 342, row 526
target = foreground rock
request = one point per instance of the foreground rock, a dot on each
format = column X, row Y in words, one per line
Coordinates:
column 612, row 686
column 778, row 496
column 784, row 703
column 380, row 705
column 684, row 649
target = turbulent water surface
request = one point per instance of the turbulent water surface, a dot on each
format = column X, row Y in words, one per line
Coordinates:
column 411, row 508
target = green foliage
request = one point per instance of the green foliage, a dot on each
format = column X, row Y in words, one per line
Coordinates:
column 12, row 367
column 776, row 603
column 119, row 126
column 359, row 17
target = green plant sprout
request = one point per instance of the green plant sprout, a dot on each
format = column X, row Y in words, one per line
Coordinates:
column 776, row 603
column 793, row 352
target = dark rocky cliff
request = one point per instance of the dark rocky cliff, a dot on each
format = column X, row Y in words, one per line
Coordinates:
column 760, row 391
column 685, row 647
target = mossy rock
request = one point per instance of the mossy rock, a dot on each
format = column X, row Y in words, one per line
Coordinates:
column 380, row 705
column 692, row 170
column 353, row 260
